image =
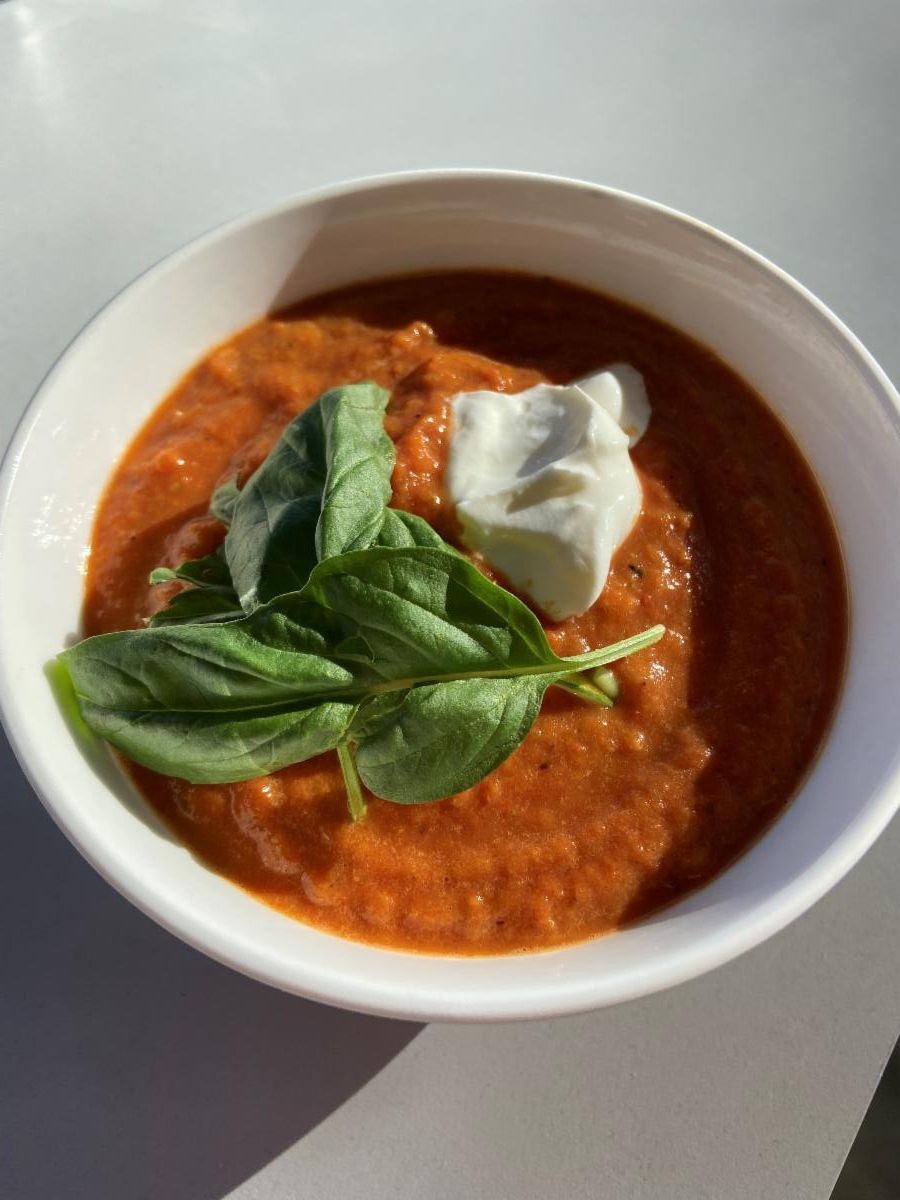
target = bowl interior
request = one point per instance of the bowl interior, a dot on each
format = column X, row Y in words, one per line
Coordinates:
column 828, row 392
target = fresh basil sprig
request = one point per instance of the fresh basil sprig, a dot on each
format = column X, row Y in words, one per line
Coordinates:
column 432, row 671
column 358, row 630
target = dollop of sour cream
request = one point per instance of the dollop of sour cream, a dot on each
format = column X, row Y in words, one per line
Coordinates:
column 544, row 485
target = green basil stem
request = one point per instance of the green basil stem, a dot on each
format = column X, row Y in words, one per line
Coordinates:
column 356, row 802
column 584, row 662
column 605, row 680
column 579, row 686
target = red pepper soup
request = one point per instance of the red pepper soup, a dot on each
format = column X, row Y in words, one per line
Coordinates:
column 601, row 815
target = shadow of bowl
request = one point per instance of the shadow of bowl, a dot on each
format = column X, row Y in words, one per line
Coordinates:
column 139, row 1066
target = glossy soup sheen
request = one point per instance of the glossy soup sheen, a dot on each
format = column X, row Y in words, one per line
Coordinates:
column 601, row 815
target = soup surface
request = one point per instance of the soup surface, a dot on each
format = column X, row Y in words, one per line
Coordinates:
column 601, row 814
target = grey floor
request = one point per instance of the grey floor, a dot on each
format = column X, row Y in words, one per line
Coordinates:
column 872, row 1169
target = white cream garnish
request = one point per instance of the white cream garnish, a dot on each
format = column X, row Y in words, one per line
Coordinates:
column 621, row 392
column 543, row 483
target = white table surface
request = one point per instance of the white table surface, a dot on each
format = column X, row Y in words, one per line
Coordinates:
column 133, row 1067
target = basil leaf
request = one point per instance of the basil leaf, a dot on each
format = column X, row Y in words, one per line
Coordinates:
column 322, row 489
column 211, row 596
column 189, row 669
column 402, row 529
column 360, row 458
column 270, row 546
column 424, row 614
column 441, row 739
column 208, row 572
column 198, row 605
column 222, row 747
column 224, row 499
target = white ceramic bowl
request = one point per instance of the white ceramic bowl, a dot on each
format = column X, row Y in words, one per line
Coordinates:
column 826, row 388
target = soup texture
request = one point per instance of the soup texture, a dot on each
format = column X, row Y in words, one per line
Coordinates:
column 602, row 814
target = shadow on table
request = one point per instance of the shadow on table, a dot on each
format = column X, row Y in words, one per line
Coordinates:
column 872, row 1169
column 131, row 1065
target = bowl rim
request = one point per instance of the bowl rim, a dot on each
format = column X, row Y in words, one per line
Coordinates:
column 706, row 953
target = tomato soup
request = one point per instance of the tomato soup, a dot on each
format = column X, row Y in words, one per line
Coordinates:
column 602, row 814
